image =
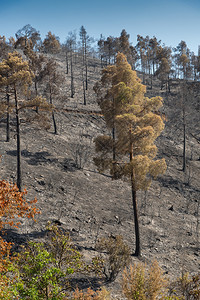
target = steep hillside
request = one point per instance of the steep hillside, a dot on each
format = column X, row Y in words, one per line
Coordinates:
column 59, row 171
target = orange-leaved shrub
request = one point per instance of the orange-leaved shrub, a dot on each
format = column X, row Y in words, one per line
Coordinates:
column 13, row 205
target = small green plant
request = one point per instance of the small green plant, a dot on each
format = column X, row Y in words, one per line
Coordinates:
column 142, row 283
column 118, row 256
column 39, row 276
column 44, row 269
column 60, row 245
column 7, row 289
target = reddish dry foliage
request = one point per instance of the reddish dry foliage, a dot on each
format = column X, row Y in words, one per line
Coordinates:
column 13, row 204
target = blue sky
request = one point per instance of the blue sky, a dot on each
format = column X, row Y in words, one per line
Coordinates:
column 170, row 21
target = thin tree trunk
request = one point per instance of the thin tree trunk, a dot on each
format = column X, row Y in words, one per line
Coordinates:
column 136, row 221
column 36, row 90
column 101, row 61
column 83, row 85
column 86, row 76
column 135, row 208
column 114, row 153
column 114, row 147
column 47, row 293
column 86, row 67
column 67, row 63
column 143, row 68
column 54, row 123
column 36, row 93
column 8, row 119
column 53, row 116
column 114, row 144
column 168, row 84
column 19, row 178
column 72, row 79
column 184, row 142
column 151, row 80
column 195, row 75
column 84, row 96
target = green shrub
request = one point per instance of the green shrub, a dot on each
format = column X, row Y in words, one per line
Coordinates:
column 43, row 269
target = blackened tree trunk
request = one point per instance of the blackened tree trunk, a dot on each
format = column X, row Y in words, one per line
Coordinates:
column 36, row 93
column 114, row 141
column 101, row 61
column 84, row 88
column 114, row 146
column 67, row 63
column 54, row 123
column 151, row 76
column 136, row 221
column 184, row 141
column 72, row 77
column 86, row 76
column 168, row 84
column 8, row 119
column 53, row 116
column 86, row 66
column 84, row 95
column 135, row 208
column 114, row 176
column 19, row 177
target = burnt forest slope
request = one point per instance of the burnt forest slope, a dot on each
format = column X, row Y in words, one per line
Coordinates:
column 58, row 170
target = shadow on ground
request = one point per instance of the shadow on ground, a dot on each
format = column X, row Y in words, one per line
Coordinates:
column 34, row 158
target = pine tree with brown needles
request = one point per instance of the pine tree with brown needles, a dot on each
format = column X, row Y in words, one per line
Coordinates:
column 136, row 123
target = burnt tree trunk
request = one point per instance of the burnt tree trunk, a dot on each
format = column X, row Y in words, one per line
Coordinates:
column 86, row 76
column 8, row 119
column 72, row 77
column 114, row 176
column 184, row 142
column 19, row 177
column 53, row 116
column 168, row 84
column 101, row 61
column 36, row 93
column 54, row 123
column 86, row 67
column 136, row 221
column 135, row 208
column 84, row 96
column 67, row 63
column 114, row 146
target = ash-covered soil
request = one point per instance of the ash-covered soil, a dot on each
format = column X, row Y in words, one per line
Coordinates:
column 58, row 170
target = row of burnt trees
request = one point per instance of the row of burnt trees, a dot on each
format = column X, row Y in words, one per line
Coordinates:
column 78, row 51
column 75, row 51
column 46, row 80
column 149, row 55
column 29, row 86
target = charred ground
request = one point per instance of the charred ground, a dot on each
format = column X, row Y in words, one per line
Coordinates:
column 58, row 170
